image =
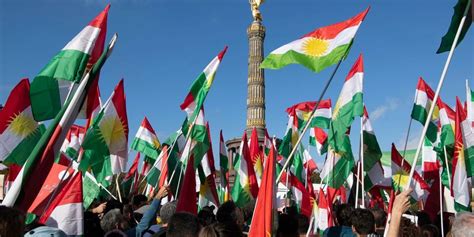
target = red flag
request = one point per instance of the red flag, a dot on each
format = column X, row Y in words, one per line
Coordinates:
column 262, row 221
column 187, row 202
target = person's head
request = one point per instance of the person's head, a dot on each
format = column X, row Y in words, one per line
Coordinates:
column 343, row 214
column 12, row 222
column 167, row 211
column 303, row 224
column 380, row 217
column 430, row 231
column 138, row 201
column 112, row 220
column 408, row 228
column 247, row 210
column 287, row 226
column 206, row 217
column 463, row 225
column 229, row 212
column 423, row 218
column 113, row 204
column 115, row 233
column 363, row 222
column 183, row 224
column 217, row 229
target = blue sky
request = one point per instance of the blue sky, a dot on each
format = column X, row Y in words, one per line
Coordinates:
column 163, row 45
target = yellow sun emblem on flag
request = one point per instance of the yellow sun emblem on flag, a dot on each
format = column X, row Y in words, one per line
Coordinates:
column 315, row 47
column 156, row 142
column 400, row 178
column 459, row 151
column 22, row 125
column 112, row 131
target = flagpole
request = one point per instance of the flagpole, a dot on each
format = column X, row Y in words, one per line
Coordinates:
column 310, row 119
column 362, row 161
column 441, row 194
column 447, row 164
column 357, row 185
column 306, row 170
column 438, row 89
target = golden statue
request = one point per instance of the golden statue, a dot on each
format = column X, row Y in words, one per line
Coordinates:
column 254, row 6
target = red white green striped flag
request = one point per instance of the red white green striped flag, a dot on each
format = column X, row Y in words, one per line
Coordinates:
column 35, row 170
column 338, row 165
column 207, row 171
column 72, row 144
column 146, row 141
column 446, row 119
column 256, row 155
column 224, row 186
column 401, row 174
column 198, row 92
column 51, row 86
column 318, row 138
column 319, row 49
column 19, row 132
column 106, row 142
column 348, row 106
column 470, row 104
column 423, row 100
column 302, row 111
column 459, row 184
column 245, row 186
column 373, row 171
column 156, row 176
column 128, row 181
column 66, row 211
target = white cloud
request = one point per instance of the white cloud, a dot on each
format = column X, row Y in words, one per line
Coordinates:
column 391, row 104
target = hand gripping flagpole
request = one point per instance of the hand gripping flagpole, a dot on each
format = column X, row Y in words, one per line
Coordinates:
column 438, row 89
column 308, row 122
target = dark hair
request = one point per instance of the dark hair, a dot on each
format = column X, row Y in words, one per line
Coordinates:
column 113, row 204
column 12, row 222
column 138, row 200
column 363, row 221
column 408, row 229
column 303, row 224
column 287, row 226
column 430, row 231
column 423, row 218
column 206, row 217
column 183, row 224
column 343, row 214
column 380, row 216
column 229, row 212
column 228, row 229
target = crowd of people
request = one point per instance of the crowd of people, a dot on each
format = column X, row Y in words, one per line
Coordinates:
column 145, row 218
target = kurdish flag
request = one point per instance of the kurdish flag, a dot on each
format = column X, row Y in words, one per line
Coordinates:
column 206, row 172
column 51, row 86
column 256, row 155
column 73, row 141
column 146, row 140
column 159, row 171
column 66, row 211
column 423, row 99
column 338, row 165
column 265, row 208
column 319, row 49
column 224, row 188
column 127, row 182
column 372, row 156
column 245, row 186
column 401, row 173
column 19, row 132
column 106, row 142
column 448, row 39
column 446, row 119
column 349, row 104
column 196, row 96
column 318, row 138
column 459, row 185
column 302, row 111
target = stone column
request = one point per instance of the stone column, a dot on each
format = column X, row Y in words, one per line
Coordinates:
column 256, row 80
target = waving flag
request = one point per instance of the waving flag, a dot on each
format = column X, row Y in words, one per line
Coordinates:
column 302, row 111
column 106, row 142
column 319, row 49
column 256, row 155
column 224, row 163
column 206, row 172
column 196, row 96
column 423, row 99
column 245, row 186
column 128, row 180
column 448, row 38
column 66, row 211
column 459, row 185
column 72, row 144
column 51, row 86
column 318, row 138
column 146, row 140
column 19, row 132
